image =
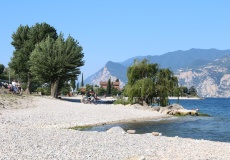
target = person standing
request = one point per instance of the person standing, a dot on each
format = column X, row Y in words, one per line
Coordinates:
column 14, row 87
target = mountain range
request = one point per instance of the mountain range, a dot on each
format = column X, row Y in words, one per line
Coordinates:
column 206, row 69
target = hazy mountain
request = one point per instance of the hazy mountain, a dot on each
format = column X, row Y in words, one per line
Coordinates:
column 211, row 80
column 182, row 59
column 110, row 70
column 206, row 69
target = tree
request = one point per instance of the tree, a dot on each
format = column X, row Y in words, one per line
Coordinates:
column 89, row 87
column 146, row 81
column 141, row 80
column 2, row 67
column 77, row 86
column 165, row 85
column 184, row 90
column 115, row 91
column 192, row 91
column 101, row 91
column 24, row 41
column 56, row 61
column 73, row 83
column 108, row 89
column 82, row 81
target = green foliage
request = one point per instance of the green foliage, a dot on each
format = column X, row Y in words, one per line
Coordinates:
column 101, row 91
column 121, row 101
column 192, row 91
column 73, row 83
column 82, row 81
column 203, row 114
column 81, row 128
column 108, row 89
column 115, row 91
column 44, row 91
column 65, row 88
column 77, row 86
column 184, row 91
column 2, row 67
column 24, row 86
column 89, row 87
column 24, row 42
column 147, row 80
column 56, row 60
column 3, row 73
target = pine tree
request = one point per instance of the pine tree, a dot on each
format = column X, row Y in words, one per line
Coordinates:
column 108, row 90
column 82, row 81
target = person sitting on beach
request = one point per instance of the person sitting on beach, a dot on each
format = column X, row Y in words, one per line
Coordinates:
column 88, row 94
column 92, row 98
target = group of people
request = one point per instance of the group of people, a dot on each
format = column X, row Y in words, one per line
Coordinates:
column 15, row 87
column 90, row 97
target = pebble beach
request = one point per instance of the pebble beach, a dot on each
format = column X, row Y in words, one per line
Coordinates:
column 33, row 127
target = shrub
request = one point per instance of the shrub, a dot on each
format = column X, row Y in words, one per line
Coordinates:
column 121, row 101
column 44, row 91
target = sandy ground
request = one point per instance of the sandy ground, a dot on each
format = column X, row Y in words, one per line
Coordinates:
column 37, row 128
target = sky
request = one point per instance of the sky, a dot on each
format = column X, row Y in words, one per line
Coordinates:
column 116, row 30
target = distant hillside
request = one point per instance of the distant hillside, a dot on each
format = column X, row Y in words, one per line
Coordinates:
column 211, row 80
column 110, row 70
column 195, row 67
column 192, row 58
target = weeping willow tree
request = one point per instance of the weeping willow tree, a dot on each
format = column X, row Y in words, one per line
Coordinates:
column 147, row 81
column 166, row 84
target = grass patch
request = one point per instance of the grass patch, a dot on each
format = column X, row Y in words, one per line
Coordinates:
column 203, row 114
column 196, row 114
column 180, row 115
column 81, row 128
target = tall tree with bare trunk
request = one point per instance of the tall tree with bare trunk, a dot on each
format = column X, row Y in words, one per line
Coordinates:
column 56, row 61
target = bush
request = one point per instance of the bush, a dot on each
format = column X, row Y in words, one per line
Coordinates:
column 24, row 86
column 44, row 91
column 121, row 101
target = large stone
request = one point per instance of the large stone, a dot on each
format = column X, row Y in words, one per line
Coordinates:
column 116, row 129
column 131, row 131
column 155, row 133
column 174, row 109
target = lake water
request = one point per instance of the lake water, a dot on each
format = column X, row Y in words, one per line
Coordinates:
column 214, row 128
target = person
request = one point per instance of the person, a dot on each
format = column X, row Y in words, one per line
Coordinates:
column 14, row 87
column 19, row 87
column 92, row 98
column 88, row 94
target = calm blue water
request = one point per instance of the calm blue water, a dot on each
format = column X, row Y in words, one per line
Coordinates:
column 214, row 128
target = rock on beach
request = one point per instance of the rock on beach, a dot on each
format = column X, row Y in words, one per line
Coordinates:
column 40, row 131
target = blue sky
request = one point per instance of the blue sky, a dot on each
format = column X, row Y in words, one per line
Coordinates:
column 115, row 30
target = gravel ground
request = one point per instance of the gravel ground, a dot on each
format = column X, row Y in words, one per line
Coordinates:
column 39, row 131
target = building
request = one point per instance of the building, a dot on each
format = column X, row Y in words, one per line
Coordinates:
column 114, row 84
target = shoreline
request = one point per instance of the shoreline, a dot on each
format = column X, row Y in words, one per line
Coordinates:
column 125, row 121
column 38, row 130
column 185, row 98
